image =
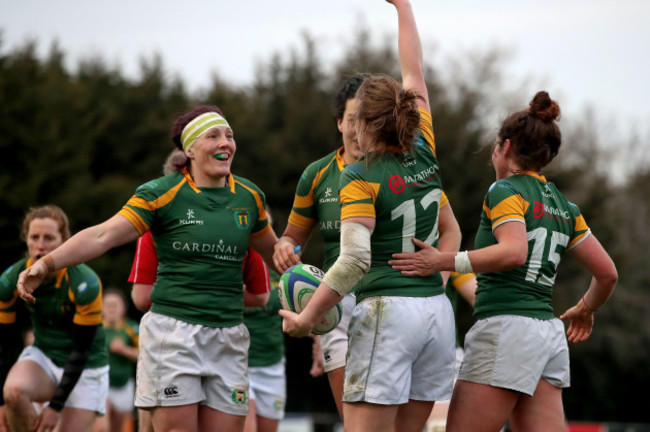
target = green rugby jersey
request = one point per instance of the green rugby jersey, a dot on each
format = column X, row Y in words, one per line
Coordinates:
column 265, row 327
column 317, row 201
column 73, row 296
column 201, row 237
column 403, row 193
column 553, row 226
column 121, row 369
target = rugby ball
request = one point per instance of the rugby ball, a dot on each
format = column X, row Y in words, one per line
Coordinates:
column 295, row 289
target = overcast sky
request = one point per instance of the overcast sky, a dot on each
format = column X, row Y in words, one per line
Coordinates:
column 585, row 52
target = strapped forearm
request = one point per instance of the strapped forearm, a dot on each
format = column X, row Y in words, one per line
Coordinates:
column 353, row 261
column 83, row 337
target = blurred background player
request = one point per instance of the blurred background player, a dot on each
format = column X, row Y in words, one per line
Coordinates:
column 66, row 366
column 122, row 343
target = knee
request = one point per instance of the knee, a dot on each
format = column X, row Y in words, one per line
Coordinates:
column 13, row 394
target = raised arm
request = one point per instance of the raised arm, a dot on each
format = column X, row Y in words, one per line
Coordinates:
column 410, row 51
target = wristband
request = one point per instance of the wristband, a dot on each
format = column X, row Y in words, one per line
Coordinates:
column 49, row 263
column 462, row 263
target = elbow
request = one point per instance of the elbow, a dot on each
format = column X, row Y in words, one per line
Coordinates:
column 256, row 300
column 516, row 259
column 143, row 305
column 520, row 260
column 141, row 296
column 609, row 279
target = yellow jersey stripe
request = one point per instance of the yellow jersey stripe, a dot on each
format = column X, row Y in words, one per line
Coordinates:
column 358, row 210
column 308, row 200
column 513, row 207
column 90, row 314
column 159, row 202
column 258, row 200
column 135, row 219
column 301, row 221
column 459, row 279
column 9, row 303
column 426, row 126
column 7, row 317
column 354, row 192
column 261, row 233
column 581, row 225
column 304, row 201
column 359, row 190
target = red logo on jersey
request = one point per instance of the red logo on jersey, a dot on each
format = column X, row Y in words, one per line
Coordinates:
column 538, row 210
column 396, row 184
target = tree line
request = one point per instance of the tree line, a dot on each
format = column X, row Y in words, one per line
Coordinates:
column 85, row 139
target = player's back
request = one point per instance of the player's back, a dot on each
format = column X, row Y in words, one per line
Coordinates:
column 403, row 192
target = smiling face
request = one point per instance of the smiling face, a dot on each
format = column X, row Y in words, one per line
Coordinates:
column 211, row 156
column 42, row 237
column 346, row 126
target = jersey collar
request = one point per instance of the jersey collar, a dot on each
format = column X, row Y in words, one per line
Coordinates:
column 534, row 174
column 230, row 181
column 339, row 158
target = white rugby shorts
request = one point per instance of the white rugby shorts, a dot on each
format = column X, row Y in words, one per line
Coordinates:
column 268, row 388
column 515, row 352
column 89, row 393
column 400, row 349
column 121, row 398
column 180, row 363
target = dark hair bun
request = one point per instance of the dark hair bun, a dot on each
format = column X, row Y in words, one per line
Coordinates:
column 544, row 108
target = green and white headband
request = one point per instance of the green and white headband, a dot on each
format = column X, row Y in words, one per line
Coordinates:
column 198, row 126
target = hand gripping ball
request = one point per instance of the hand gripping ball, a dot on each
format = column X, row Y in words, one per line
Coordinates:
column 296, row 287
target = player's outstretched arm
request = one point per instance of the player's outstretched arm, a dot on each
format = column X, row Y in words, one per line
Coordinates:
column 410, row 51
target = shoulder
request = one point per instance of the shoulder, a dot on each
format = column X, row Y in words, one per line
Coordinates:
column 355, row 170
column 9, row 277
column 247, row 185
column 319, row 164
column 325, row 160
column 500, row 191
column 16, row 267
column 504, row 186
column 83, row 278
column 160, row 185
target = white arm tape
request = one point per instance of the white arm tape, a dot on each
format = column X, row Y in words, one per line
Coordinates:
column 462, row 263
column 353, row 261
